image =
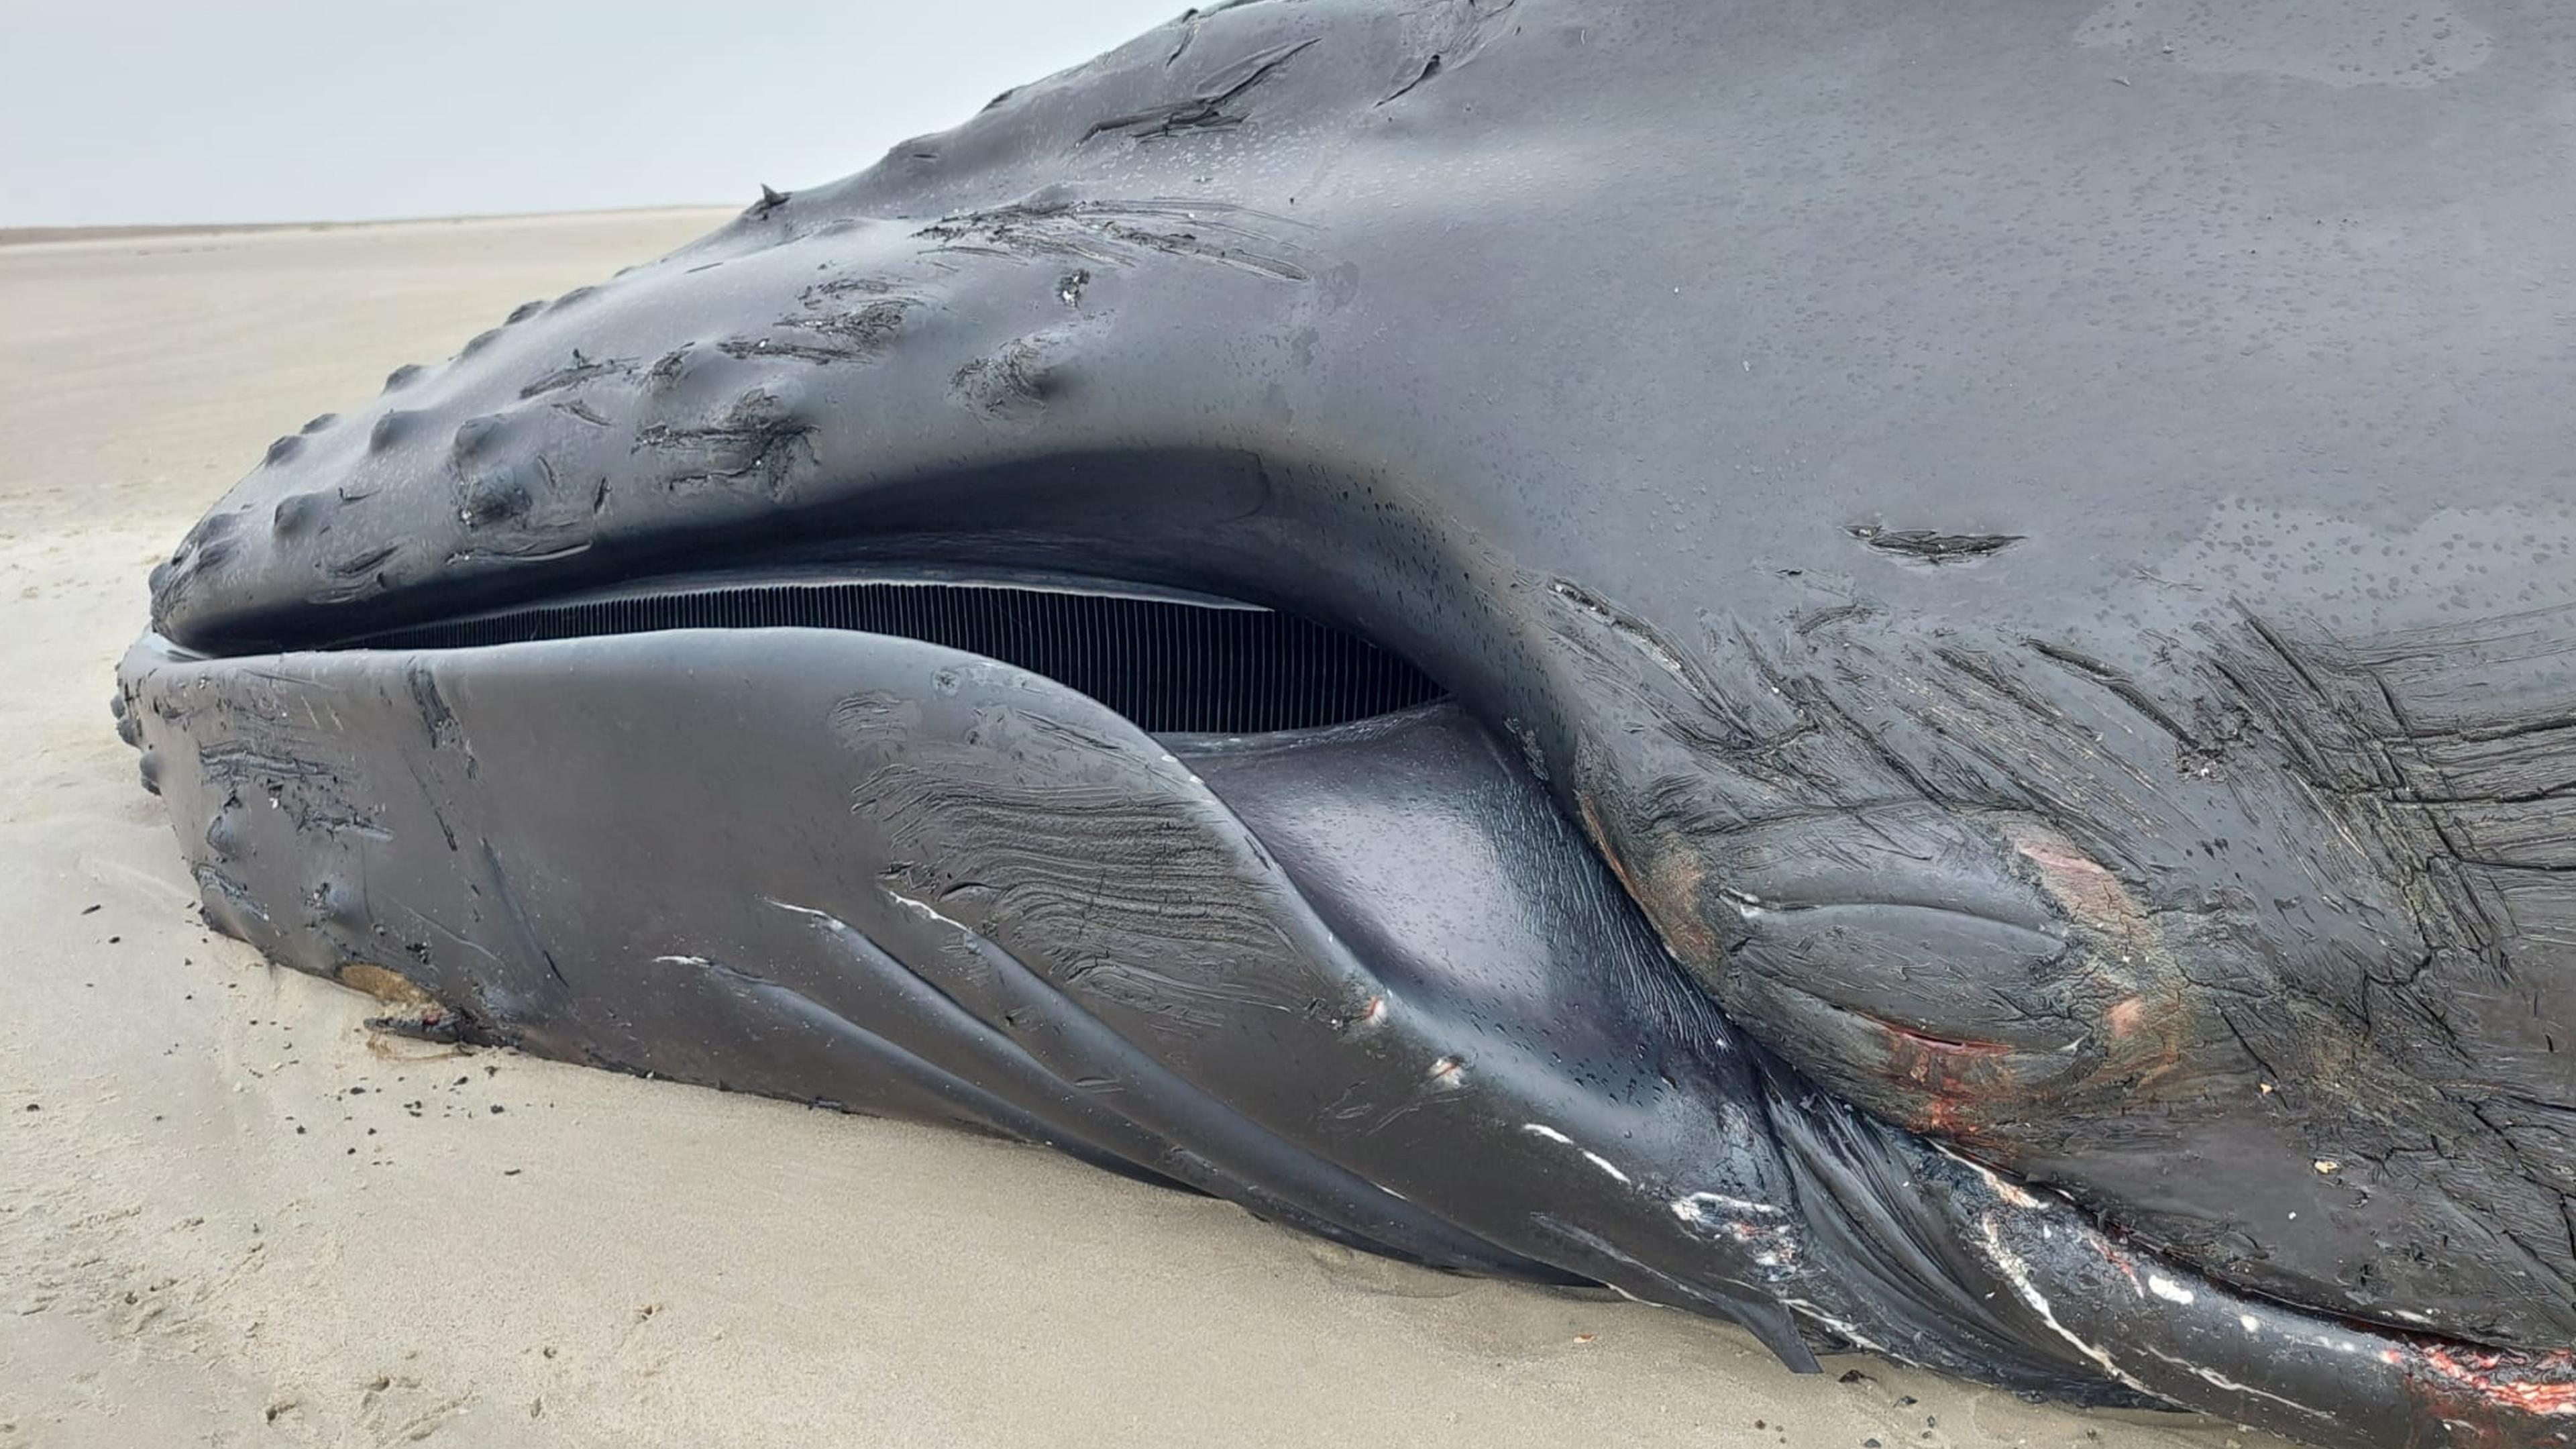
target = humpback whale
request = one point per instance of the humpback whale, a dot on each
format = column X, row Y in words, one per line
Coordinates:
column 1905, row 675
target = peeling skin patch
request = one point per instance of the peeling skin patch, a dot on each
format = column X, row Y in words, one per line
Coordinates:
column 757, row 441
column 1125, row 233
column 1639, row 635
column 825, row 334
column 1216, row 106
column 577, row 373
column 1932, row 546
column 1011, row 385
column 364, row 563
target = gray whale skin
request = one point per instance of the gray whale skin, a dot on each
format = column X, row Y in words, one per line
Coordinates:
column 1904, row 674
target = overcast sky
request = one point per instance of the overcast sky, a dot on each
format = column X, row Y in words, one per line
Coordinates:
column 298, row 110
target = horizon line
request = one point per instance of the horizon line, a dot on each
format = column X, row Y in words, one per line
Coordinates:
column 117, row 231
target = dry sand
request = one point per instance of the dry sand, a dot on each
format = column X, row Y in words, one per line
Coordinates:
column 231, row 1215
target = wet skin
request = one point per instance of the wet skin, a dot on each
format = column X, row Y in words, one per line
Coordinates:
column 2003, row 583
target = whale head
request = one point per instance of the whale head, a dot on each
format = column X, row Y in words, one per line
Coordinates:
column 1907, row 678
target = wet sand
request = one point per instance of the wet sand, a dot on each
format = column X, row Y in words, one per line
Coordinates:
column 231, row 1215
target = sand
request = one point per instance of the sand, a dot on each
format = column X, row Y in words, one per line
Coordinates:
column 231, row 1215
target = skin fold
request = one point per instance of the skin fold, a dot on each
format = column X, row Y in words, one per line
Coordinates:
column 2005, row 582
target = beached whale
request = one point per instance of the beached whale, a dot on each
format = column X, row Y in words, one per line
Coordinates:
column 1904, row 674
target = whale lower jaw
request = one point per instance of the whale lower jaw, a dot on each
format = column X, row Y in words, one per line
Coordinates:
column 1359, row 976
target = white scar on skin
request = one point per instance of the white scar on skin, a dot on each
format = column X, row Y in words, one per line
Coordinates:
column 1849, row 1331
column 2216, row 1379
column 1696, row 1207
column 923, row 910
column 2017, row 1273
column 1541, row 1129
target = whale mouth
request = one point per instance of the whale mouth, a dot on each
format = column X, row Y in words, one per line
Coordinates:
column 1171, row 661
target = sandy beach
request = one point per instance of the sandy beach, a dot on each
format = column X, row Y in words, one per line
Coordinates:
column 231, row 1215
